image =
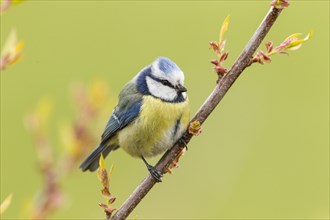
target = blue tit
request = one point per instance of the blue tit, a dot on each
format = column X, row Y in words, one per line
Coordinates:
column 152, row 114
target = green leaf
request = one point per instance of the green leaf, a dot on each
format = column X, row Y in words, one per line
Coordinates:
column 296, row 44
column 223, row 29
column 293, row 36
column 101, row 162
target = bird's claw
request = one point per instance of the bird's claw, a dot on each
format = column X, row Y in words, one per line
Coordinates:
column 157, row 175
column 183, row 142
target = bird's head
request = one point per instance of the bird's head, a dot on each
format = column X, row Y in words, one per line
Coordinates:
column 163, row 79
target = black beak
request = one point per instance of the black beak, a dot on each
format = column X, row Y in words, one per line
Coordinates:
column 180, row 88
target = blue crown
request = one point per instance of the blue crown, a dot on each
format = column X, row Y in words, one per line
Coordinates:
column 166, row 65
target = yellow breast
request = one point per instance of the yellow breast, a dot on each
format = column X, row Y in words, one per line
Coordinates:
column 152, row 132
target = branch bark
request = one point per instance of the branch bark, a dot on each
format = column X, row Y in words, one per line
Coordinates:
column 221, row 88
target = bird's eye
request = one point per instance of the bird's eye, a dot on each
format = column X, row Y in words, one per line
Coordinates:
column 165, row 82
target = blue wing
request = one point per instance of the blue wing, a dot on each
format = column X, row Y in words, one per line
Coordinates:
column 119, row 120
column 127, row 110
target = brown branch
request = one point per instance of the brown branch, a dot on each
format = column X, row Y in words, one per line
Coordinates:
column 223, row 85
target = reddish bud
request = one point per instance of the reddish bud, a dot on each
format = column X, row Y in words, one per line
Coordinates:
column 105, row 192
column 220, row 70
column 269, row 46
column 265, row 56
column 224, row 56
column 112, row 199
column 214, row 46
column 108, row 210
column 257, row 59
column 215, row 62
column 284, row 45
column 261, row 57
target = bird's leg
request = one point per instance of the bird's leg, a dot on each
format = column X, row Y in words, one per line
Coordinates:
column 182, row 141
column 153, row 171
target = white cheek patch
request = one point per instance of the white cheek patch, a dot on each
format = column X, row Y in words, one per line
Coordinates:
column 160, row 91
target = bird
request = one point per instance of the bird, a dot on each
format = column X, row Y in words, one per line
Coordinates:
column 152, row 114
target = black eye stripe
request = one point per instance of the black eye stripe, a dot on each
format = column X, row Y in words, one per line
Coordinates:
column 162, row 81
column 165, row 82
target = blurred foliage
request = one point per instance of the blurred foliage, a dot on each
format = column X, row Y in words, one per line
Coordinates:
column 5, row 204
column 77, row 140
column 6, row 4
column 262, row 154
column 11, row 52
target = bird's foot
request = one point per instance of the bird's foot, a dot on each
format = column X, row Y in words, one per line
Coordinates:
column 182, row 141
column 157, row 175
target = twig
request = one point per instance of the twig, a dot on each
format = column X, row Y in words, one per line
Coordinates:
column 221, row 88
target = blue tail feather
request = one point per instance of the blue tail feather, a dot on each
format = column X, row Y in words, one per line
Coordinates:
column 91, row 163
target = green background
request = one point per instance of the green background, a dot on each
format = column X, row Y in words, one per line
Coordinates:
column 263, row 153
